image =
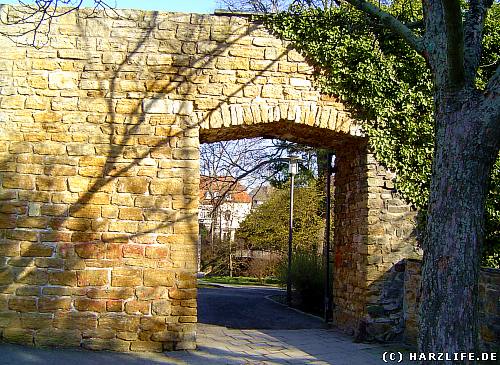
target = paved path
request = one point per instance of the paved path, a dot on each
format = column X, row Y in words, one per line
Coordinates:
column 219, row 346
column 247, row 308
column 273, row 343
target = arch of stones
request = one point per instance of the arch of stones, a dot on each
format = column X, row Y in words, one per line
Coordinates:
column 99, row 174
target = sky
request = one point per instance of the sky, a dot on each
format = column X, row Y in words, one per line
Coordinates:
column 186, row 6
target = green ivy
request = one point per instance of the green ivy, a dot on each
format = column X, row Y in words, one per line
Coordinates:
column 387, row 85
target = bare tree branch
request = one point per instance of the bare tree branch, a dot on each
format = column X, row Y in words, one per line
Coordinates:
column 473, row 31
column 30, row 23
column 391, row 22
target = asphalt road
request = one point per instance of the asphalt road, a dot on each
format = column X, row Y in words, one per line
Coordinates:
column 248, row 308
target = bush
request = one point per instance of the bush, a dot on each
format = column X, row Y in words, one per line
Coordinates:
column 262, row 268
column 308, row 280
column 215, row 259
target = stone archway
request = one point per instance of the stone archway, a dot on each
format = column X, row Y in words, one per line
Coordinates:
column 100, row 175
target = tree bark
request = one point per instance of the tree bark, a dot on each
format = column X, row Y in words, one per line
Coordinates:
column 464, row 156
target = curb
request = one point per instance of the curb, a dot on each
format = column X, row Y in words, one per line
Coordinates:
column 268, row 297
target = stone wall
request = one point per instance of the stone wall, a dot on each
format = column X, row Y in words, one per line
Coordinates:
column 489, row 302
column 374, row 233
column 99, row 169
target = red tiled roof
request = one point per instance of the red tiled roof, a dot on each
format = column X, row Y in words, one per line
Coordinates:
column 224, row 185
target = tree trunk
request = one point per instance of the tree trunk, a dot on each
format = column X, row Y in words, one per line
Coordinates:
column 452, row 249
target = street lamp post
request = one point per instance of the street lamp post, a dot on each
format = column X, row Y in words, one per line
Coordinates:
column 292, row 169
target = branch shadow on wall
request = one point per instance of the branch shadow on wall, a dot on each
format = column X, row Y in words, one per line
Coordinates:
column 63, row 235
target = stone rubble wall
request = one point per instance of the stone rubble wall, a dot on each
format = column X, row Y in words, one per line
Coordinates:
column 489, row 302
column 99, row 174
column 374, row 234
column 99, row 167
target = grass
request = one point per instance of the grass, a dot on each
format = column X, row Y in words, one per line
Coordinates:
column 240, row 280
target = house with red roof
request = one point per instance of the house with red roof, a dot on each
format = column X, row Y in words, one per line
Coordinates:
column 224, row 204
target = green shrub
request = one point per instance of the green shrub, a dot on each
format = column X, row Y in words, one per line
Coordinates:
column 308, row 280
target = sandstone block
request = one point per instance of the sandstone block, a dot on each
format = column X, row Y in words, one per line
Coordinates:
column 32, row 276
column 119, row 322
column 160, row 106
column 53, row 337
column 299, row 82
column 121, row 293
column 99, row 199
column 188, row 319
column 91, row 305
column 183, row 311
column 92, row 277
column 85, row 211
column 166, row 187
column 38, row 82
column 63, row 80
column 161, row 307
column 157, row 252
column 27, row 290
column 8, row 249
column 131, row 86
column 99, row 333
column 32, row 222
column 18, row 335
column 114, row 305
column 146, row 346
column 137, row 307
column 80, row 149
column 272, row 91
column 169, row 131
column 148, row 293
column 46, row 183
column 64, row 278
column 12, row 102
column 75, row 320
column 109, row 212
column 23, row 304
column 135, row 185
column 127, row 106
column 120, row 226
column 51, row 304
column 159, row 277
column 18, row 182
column 131, row 214
column 72, row 54
column 135, row 251
column 7, row 221
column 47, row 117
column 232, row 63
column 36, row 249
column 126, row 277
column 90, row 250
column 106, row 344
column 182, row 294
column 36, row 320
column 263, row 65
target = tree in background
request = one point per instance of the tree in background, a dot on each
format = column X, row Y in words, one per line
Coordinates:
column 460, row 101
column 270, row 6
column 266, row 228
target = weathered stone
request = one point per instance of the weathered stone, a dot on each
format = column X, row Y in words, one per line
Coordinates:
column 75, row 320
column 18, row 335
column 100, row 185
column 106, row 344
column 119, row 322
column 126, row 277
column 92, row 277
column 159, row 277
